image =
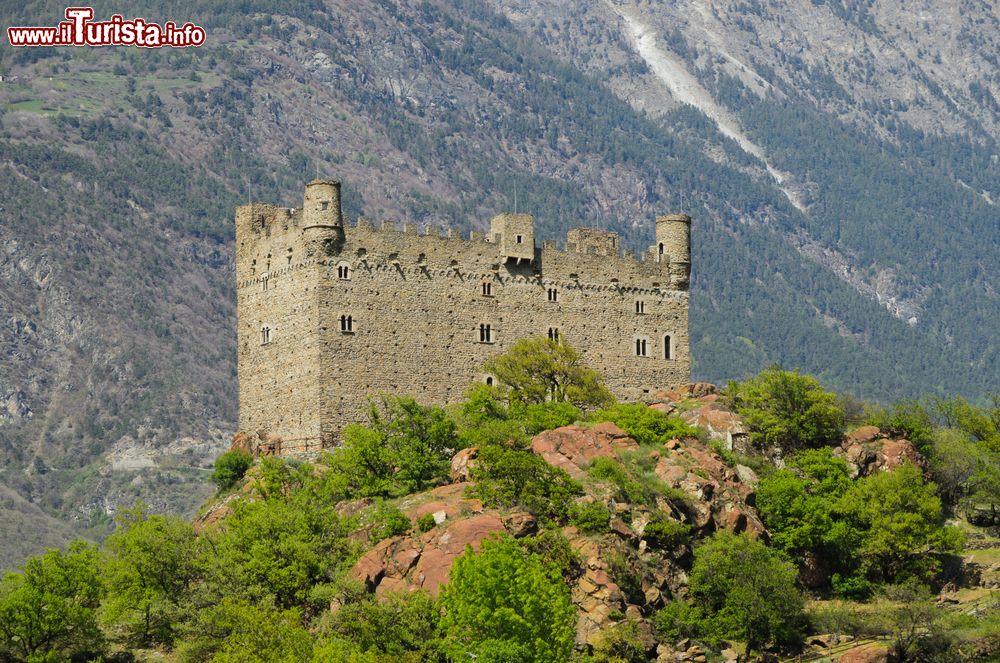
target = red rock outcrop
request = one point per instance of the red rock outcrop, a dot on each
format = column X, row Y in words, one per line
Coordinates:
column 572, row 448
column 867, row 451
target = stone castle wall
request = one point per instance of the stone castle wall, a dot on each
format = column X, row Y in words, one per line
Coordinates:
column 419, row 306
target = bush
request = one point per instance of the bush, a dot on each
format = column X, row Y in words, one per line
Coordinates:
column 666, row 534
column 787, row 410
column 231, row 467
column 591, row 517
column 426, row 522
column 387, row 521
column 621, row 643
column 507, row 477
column 406, row 449
column 644, row 424
column 505, row 604
column 540, row 417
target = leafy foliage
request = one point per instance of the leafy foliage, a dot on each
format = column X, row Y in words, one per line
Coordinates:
column 230, row 467
column 507, row 604
column 507, row 477
column 744, row 591
column 49, row 610
column 405, row 449
column 539, row 370
column 787, row 410
column 644, row 424
column 150, row 573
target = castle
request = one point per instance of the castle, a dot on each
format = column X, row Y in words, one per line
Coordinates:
column 330, row 313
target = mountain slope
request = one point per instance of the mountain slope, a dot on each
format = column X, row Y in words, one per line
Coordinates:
column 120, row 169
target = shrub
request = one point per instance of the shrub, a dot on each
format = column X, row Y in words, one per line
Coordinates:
column 426, row 522
column 644, row 424
column 505, row 604
column 507, row 477
column 388, row 521
column 620, row 644
column 666, row 534
column 746, row 591
column 230, row 467
column 787, row 410
column 591, row 517
column 540, row 417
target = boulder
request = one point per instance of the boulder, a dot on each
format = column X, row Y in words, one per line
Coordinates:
column 572, row 448
column 870, row 653
column 868, row 451
column 461, row 463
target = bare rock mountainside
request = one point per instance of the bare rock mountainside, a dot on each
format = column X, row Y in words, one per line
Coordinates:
column 839, row 160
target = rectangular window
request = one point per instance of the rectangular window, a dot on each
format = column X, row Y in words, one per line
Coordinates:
column 553, row 295
column 519, row 239
column 263, row 282
column 265, row 335
column 343, row 272
column 640, row 306
column 485, row 333
column 487, row 290
column 667, row 350
column 347, row 324
column 326, row 204
column 640, row 347
column 554, row 334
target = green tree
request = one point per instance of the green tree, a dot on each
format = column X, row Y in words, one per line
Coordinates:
column 278, row 551
column 48, row 611
column 234, row 631
column 405, row 449
column 797, row 503
column 896, row 525
column 746, row 591
column 537, row 370
column 787, row 410
column 507, row 604
column 154, row 562
column 400, row 627
column 508, row 477
column 230, row 467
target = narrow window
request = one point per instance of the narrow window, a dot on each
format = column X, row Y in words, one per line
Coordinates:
column 344, row 272
column 640, row 306
column 487, row 289
column 554, row 334
column 265, row 335
column 485, row 333
column 553, row 295
column 326, row 204
column 489, row 380
column 640, row 347
column 667, row 350
column 263, row 282
column 661, row 248
column 347, row 324
column 519, row 239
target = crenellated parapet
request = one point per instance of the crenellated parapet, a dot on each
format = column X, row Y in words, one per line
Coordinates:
column 330, row 313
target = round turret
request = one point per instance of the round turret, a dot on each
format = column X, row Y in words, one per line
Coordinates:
column 673, row 246
column 321, row 206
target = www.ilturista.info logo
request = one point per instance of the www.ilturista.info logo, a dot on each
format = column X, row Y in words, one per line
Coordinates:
column 79, row 30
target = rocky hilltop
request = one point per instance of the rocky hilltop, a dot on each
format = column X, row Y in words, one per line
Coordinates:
column 839, row 160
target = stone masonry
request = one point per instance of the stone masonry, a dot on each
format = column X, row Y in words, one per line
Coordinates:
column 331, row 313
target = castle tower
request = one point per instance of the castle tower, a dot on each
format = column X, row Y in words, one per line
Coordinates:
column 321, row 205
column 673, row 246
column 515, row 235
column 322, row 220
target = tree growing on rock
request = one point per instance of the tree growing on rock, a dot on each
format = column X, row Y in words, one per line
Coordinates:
column 505, row 604
column 787, row 410
column 540, row 370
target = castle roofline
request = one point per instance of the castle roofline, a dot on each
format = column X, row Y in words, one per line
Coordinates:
column 320, row 181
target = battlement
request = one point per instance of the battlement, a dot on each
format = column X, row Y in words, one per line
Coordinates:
column 330, row 312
